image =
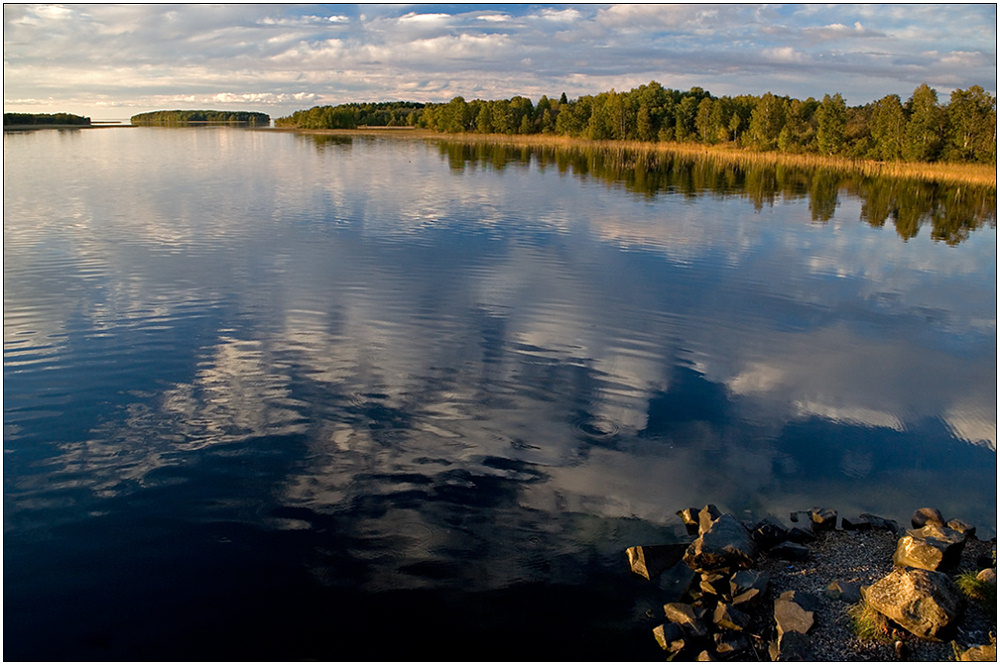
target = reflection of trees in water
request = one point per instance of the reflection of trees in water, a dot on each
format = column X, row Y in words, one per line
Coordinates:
column 952, row 211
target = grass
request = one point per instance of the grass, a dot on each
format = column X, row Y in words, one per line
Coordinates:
column 982, row 593
column 868, row 623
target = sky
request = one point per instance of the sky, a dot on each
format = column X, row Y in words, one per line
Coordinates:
column 112, row 61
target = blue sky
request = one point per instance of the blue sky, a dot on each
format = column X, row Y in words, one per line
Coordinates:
column 111, row 61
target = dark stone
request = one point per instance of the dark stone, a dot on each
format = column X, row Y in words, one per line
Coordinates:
column 690, row 518
column 707, row 516
column 748, row 586
column 986, row 560
column 686, row 616
column 715, row 584
column 921, row 601
column 650, row 560
column 666, row 634
column 855, row 524
column 730, row 644
column 768, row 533
column 727, row 616
column 823, row 519
column 924, row 516
column 848, row 592
column 790, row 551
column 803, row 599
column 881, row 523
column 932, row 547
column 801, row 535
column 963, row 528
column 791, row 647
column 726, row 544
column 791, row 617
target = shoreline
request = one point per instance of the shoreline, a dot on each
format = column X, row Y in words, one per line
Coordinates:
column 973, row 174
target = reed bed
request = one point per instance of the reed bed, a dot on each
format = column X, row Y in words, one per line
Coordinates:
column 973, row 174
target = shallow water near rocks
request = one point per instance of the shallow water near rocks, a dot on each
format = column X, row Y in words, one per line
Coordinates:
column 273, row 396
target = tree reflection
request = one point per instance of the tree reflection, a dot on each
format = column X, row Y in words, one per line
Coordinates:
column 952, row 211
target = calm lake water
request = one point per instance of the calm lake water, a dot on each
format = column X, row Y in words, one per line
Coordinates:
column 272, row 396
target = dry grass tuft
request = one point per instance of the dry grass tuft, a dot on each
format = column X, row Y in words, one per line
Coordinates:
column 868, row 623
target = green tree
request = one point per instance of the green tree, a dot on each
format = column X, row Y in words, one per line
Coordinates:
column 888, row 129
column 924, row 131
column 972, row 120
column 766, row 122
column 831, row 123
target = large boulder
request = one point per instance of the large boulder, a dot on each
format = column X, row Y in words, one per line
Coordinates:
column 932, row 547
column 923, row 602
column 725, row 545
column 650, row 560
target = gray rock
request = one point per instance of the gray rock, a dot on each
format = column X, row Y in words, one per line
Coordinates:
column 666, row 634
column 923, row 516
column 715, row 584
column 791, row 647
column 932, row 547
column 823, row 519
column 881, row 523
column 768, row 533
column 921, row 601
column 706, row 516
column 748, row 586
column 848, row 592
column 791, row 617
column 985, row 652
column 855, row 524
column 731, row 644
column 650, row 560
column 790, row 551
column 725, row 545
column 690, row 518
column 804, row 599
column 801, row 534
column 727, row 616
column 963, row 528
column 686, row 616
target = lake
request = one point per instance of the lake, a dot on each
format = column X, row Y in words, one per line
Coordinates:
column 282, row 396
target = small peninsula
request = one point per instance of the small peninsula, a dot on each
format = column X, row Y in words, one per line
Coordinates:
column 178, row 118
column 11, row 120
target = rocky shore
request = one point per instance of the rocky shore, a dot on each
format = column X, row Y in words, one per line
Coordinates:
column 825, row 587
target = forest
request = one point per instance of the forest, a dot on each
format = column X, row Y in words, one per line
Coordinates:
column 921, row 129
column 44, row 119
column 175, row 118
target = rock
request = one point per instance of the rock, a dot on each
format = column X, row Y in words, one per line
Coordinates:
column 848, row 592
column 666, row 634
column 987, row 575
column 986, row 560
column 731, row 644
column 790, row 551
column 685, row 616
column 924, row 516
column 921, row 601
column 725, row 545
column 963, row 528
column 823, row 519
column 881, row 523
column 690, row 518
column 791, row 617
column 650, row 560
column 707, row 516
column 790, row 647
column 727, row 616
column 803, row 599
column 985, row 652
column 704, row 657
column 932, row 547
column 715, row 584
column 748, row 586
column 801, row 535
column 768, row 533
column 855, row 524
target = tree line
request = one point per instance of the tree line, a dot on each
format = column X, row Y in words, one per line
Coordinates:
column 920, row 129
column 354, row 115
column 173, row 118
column 44, row 119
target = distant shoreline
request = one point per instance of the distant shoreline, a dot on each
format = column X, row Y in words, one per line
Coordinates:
column 95, row 125
column 974, row 174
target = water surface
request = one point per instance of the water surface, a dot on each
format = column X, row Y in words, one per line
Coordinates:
column 272, row 396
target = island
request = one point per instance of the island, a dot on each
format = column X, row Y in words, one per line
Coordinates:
column 178, row 118
column 32, row 120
